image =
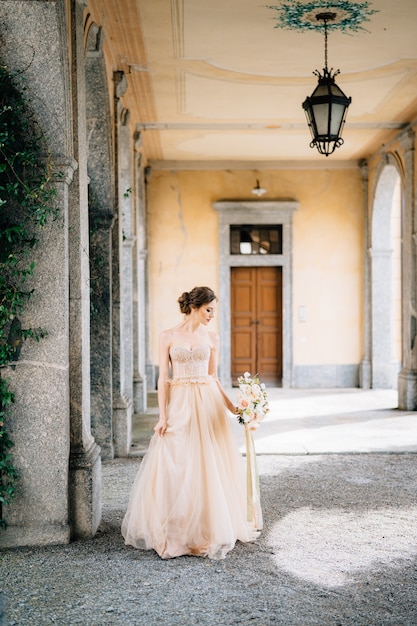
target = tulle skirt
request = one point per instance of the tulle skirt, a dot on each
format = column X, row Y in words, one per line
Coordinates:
column 189, row 495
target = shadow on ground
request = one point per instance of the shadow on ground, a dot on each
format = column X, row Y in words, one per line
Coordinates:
column 339, row 548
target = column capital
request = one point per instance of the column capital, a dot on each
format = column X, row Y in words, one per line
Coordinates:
column 364, row 169
column 406, row 139
column 129, row 241
column 138, row 139
column 120, row 83
column 124, row 116
column 83, row 458
column 63, row 169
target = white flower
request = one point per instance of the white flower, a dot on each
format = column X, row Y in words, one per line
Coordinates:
column 245, row 389
column 256, row 390
column 252, row 400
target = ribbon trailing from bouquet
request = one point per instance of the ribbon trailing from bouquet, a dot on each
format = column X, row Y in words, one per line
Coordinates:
column 254, row 510
column 252, row 407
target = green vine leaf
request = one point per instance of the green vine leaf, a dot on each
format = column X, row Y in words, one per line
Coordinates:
column 27, row 202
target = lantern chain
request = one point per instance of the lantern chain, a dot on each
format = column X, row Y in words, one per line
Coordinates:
column 325, row 45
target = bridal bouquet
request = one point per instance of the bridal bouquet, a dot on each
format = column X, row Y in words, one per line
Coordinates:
column 252, row 406
column 252, row 403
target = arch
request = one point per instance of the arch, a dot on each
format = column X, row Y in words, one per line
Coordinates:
column 385, row 262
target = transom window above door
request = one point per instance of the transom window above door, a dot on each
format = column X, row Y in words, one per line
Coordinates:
column 252, row 239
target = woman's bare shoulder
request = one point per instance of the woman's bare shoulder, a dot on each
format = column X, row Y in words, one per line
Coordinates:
column 214, row 339
column 165, row 336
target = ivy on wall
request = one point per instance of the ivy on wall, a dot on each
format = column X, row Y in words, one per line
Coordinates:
column 27, row 201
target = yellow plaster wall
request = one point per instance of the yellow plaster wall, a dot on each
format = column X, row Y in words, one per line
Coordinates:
column 327, row 250
column 328, row 266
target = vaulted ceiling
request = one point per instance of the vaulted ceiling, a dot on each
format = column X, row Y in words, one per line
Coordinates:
column 216, row 81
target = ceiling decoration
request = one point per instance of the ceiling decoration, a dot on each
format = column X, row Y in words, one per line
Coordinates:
column 296, row 15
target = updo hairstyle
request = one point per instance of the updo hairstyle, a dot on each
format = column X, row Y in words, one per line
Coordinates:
column 196, row 298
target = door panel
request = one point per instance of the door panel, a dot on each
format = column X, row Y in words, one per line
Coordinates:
column 256, row 307
column 269, row 330
column 243, row 341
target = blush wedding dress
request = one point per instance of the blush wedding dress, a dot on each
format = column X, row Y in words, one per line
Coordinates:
column 189, row 495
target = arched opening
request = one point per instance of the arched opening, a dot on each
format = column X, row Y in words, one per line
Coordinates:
column 385, row 261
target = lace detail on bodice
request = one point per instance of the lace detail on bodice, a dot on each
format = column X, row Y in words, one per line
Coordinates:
column 190, row 364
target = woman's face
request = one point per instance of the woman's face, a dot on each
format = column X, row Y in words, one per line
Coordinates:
column 206, row 312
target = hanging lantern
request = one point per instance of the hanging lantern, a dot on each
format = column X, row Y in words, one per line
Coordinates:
column 326, row 108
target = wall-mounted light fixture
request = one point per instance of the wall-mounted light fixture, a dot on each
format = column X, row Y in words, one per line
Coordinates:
column 326, row 108
column 258, row 190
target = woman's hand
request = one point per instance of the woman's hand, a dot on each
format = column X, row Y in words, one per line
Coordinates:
column 161, row 427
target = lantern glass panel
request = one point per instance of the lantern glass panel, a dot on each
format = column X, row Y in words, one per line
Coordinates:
column 337, row 118
column 321, row 116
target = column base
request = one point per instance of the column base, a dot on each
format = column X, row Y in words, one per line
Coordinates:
column 44, row 535
column 365, row 377
column 407, row 390
column 139, row 394
column 106, row 451
column 122, row 426
column 85, row 491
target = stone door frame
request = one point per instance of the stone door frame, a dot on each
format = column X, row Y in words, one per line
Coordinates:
column 264, row 212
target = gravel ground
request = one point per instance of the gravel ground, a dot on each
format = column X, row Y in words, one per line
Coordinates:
column 339, row 548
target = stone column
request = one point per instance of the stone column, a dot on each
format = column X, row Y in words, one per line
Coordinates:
column 38, row 422
column 122, row 283
column 34, row 45
column 126, row 196
column 101, row 333
column 85, row 464
column 101, row 175
column 139, row 289
column 150, row 367
column 140, row 382
column 407, row 379
column 365, row 365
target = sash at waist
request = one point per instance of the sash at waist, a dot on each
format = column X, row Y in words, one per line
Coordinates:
column 190, row 380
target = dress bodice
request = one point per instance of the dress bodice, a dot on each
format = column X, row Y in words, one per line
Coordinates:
column 189, row 363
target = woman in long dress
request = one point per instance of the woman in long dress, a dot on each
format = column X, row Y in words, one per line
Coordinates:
column 189, row 495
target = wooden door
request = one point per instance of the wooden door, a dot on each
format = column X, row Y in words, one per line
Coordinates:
column 256, row 310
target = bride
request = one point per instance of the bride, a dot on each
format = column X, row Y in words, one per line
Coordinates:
column 189, row 495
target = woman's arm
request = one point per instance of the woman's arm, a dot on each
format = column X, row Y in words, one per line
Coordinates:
column 163, row 384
